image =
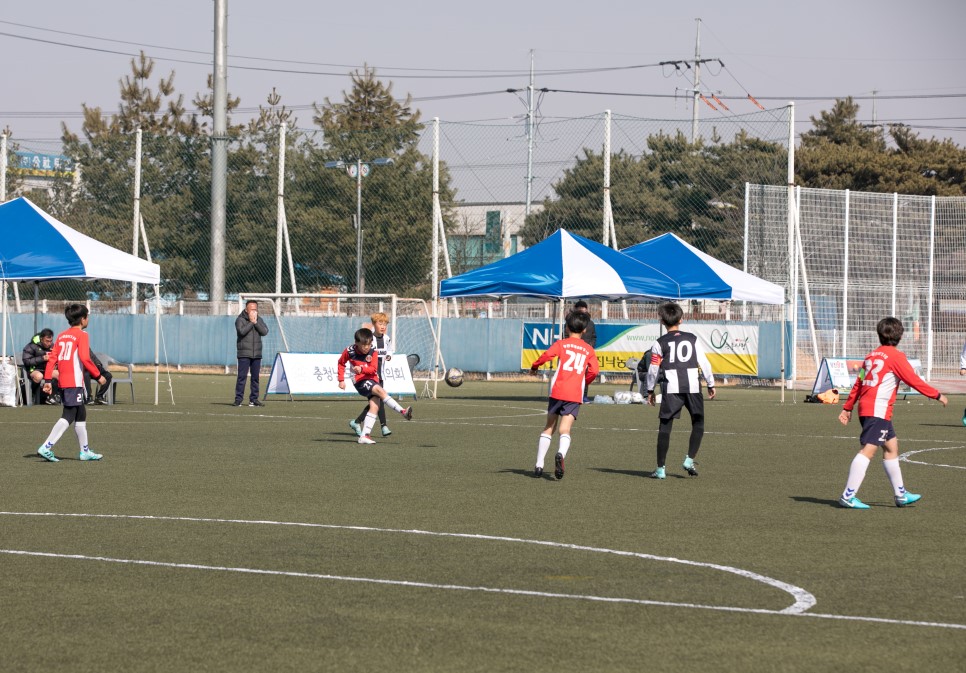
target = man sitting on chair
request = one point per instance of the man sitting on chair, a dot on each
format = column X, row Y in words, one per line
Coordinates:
column 35, row 356
column 99, row 398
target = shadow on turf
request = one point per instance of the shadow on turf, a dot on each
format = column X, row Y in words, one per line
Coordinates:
column 528, row 473
column 817, row 501
column 634, row 473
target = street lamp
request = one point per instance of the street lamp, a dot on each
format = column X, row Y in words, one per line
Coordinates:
column 358, row 170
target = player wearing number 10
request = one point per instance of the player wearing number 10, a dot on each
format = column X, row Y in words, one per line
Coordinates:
column 674, row 361
column 875, row 392
column 576, row 368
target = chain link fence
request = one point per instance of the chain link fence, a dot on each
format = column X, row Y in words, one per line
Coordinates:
column 659, row 180
column 863, row 257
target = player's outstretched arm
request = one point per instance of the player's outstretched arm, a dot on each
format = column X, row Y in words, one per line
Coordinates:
column 942, row 399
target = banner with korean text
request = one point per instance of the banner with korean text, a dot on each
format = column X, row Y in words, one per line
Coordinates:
column 317, row 374
column 732, row 349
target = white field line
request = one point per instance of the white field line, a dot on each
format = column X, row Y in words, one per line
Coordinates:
column 905, row 457
column 804, row 600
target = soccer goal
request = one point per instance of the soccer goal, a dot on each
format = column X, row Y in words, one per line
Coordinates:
column 325, row 323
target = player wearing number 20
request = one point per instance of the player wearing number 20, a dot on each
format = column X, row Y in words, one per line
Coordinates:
column 875, row 392
column 674, row 361
column 576, row 368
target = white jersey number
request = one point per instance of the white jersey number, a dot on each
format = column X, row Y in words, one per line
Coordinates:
column 872, row 369
column 680, row 352
column 576, row 362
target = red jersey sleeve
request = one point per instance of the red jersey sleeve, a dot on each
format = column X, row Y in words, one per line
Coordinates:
column 907, row 374
column 593, row 367
column 341, row 367
column 84, row 354
column 853, row 394
column 547, row 356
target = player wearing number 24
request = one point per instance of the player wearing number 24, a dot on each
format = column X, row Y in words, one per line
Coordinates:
column 875, row 392
column 576, row 368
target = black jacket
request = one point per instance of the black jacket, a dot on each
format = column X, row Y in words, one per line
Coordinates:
column 249, row 336
column 33, row 354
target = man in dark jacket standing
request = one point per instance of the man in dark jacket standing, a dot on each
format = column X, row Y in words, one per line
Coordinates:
column 250, row 329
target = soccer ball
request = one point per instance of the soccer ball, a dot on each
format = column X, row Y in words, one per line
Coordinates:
column 454, row 377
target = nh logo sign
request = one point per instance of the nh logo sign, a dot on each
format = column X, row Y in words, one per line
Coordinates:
column 543, row 337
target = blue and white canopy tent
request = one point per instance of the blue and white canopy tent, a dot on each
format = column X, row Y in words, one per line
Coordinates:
column 561, row 266
column 700, row 275
column 36, row 247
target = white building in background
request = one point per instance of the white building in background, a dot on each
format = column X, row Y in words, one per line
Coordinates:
column 485, row 232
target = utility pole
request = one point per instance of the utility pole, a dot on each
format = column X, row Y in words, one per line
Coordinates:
column 696, row 91
column 219, row 156
column 697, row 83
column 529, row 138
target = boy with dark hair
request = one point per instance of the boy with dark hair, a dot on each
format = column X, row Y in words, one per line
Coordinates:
column 875, row 392
column 589, row 335
column 35, row 356
column 382, row 344
column 576, row 368
column 359, row 358
column 675, row 360
column 69, row 358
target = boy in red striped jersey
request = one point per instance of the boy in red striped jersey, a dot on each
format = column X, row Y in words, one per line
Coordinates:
column 577, row 367
column 875, row 392
column 69, row 357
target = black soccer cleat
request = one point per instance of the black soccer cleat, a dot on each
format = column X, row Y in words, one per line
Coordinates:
column 408, row 413
column 538, row 472
column 558, row 463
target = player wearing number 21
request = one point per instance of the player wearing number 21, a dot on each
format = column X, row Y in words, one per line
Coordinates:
column 875, row 392
column 576, row 368
column 674, row 361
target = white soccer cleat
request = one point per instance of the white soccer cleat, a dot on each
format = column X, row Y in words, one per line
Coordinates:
column 366, row 439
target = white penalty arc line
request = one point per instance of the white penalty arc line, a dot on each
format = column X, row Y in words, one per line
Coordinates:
column 460, row 587
column 905, row 457
column 803, row 599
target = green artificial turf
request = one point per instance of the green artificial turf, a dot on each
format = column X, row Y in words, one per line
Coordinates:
column 436, row 550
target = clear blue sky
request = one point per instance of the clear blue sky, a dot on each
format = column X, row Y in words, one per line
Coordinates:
column 775, row 51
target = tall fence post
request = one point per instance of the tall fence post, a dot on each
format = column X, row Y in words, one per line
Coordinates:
column 137, row 213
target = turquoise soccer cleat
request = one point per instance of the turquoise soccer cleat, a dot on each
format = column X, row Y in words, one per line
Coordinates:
column 907, row 499
column 87, row 454
column 356, row 428
column 47, row 455
column 852, row 503
column 658, row 473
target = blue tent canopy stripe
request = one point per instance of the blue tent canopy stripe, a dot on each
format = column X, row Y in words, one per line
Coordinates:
column 561, row 266
column 702, row 276
column 35, row 246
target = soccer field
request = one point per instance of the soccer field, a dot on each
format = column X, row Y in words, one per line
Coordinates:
column 214, row 538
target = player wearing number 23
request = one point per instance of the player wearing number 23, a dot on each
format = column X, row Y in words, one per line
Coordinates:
column 875, row 393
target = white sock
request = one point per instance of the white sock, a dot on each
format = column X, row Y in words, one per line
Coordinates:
column 894, row 472
column 393, row 404
column 856, row 474
column 60, row 427
column 80, row 429
column 564, row 445
column 368, row 423
column 543, row 445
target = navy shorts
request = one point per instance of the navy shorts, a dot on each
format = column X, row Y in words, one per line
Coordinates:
column 364, row 388
column 561, row 408
column 875, row 430
column 73, row 397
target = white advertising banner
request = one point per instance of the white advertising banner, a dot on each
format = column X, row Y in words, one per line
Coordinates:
column 317, row 374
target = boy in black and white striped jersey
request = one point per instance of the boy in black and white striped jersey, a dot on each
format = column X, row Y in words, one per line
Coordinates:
column 674, row 361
